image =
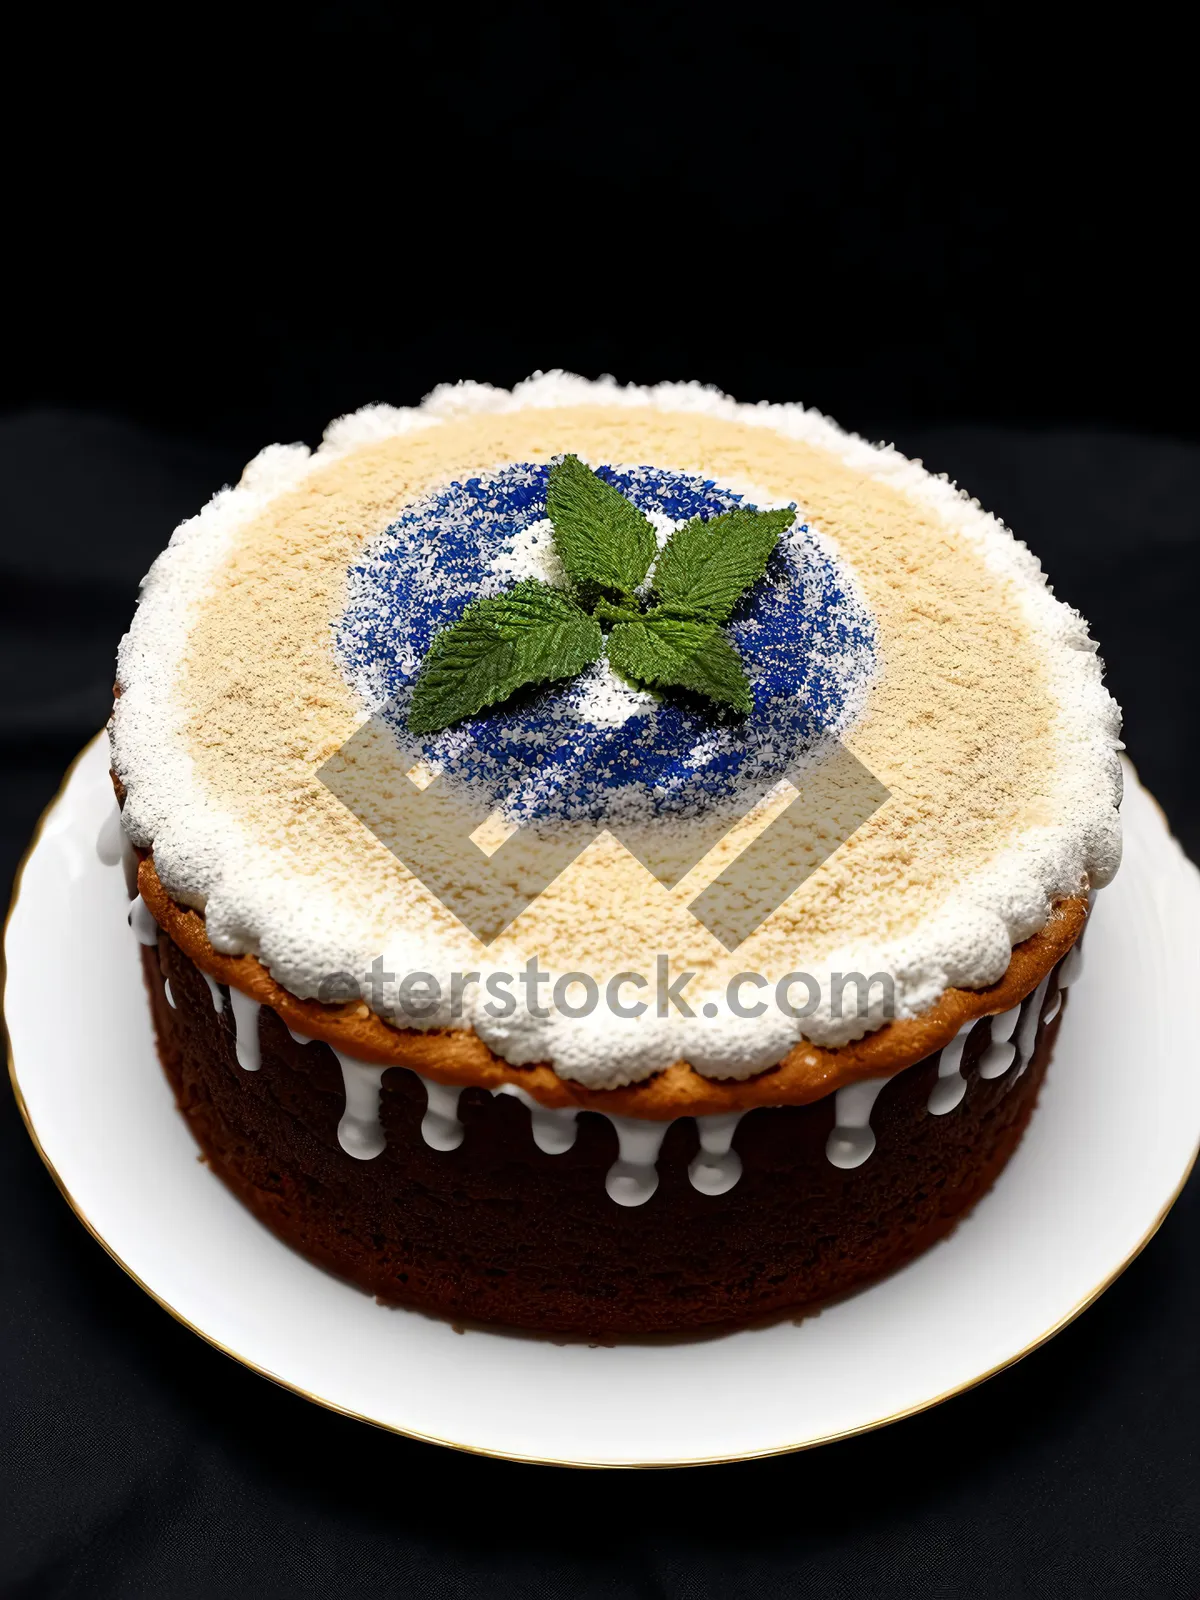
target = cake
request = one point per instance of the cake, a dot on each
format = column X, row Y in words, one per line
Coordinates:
column 608, row 860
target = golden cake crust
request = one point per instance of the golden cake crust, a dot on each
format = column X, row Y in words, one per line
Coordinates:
column 459, row 1057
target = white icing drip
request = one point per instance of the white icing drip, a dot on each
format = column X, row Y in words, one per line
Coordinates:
column 214, row 988
column 553, row 1130
column 715, row 1167
column 852, row 1141
column 950, row 1087
column 110, row 839
column 245, row 1026
column 1072, row 967
column 167, row 992
column 1000, row 1054
column 141, row 920
column 360, row 1132
column 303, row 1038
column 440, row 1126
column 1069, row 972
column 129, row 866
column 113, row 846
column 1027, row 1032
column 633, row 1176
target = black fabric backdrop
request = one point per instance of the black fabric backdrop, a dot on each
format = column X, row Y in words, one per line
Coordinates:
column 137, row 1461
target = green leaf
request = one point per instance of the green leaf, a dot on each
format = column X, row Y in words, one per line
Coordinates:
column 671, row 652
column 605, row 611
column 603, row 540
column 531, row 634
column 707, row 566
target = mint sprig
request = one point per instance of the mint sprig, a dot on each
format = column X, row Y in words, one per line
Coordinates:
column 537, row 634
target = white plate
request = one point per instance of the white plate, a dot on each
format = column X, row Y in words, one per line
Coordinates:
column 1106, row 1153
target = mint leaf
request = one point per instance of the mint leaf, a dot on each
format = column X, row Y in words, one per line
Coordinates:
column 672, row 652
column 707, row 566
column 602, row 539
column 605, row 611
column 531, row 634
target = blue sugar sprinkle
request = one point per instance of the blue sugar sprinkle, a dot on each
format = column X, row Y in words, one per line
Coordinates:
column 805, row 636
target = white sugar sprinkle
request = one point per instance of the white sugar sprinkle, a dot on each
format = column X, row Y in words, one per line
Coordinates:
column 606, row 700
column 528, row 554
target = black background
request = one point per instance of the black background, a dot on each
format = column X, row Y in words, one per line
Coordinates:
column 969, row 235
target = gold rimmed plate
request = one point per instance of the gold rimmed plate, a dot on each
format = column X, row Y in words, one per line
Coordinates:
column 1107, row 1152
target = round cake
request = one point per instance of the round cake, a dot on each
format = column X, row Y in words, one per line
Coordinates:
column 608, row 860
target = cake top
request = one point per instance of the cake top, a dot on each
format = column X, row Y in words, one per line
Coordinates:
column 382, row 722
